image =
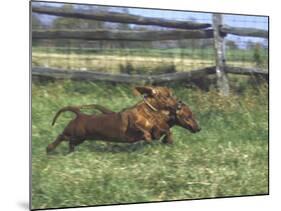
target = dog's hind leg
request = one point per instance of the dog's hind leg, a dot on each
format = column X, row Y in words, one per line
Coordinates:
column 71, row 145
column 74, row 142
column 53, row 145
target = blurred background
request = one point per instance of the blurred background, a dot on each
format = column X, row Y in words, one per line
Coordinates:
column 143, row 57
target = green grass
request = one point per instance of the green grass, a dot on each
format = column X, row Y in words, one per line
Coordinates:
column 229, row 157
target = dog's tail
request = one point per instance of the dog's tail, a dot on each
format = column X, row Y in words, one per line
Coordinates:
column 73, row 109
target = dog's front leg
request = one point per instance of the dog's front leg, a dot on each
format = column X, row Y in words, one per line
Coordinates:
column 139, row 126
column 168, row 138
column 146, row 135
column 159, row 130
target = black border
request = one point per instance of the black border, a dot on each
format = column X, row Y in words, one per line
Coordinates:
column 30, row 106
column 145, row 202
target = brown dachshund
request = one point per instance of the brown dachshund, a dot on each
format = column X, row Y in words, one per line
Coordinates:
column 163, row 121
column 150, row 119
column 129, row 125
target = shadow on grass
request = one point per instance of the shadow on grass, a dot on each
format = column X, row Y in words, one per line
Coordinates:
column 107, row 147
column 122, row 147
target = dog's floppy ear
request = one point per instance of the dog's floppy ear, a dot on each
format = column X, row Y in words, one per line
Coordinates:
column 149, row 91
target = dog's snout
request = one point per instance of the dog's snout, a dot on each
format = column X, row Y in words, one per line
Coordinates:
column 196, row 130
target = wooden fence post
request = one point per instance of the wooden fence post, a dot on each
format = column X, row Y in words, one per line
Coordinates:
column 222, row 80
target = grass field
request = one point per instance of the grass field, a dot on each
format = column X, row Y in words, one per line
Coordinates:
column 229, row 157
column 146, row 60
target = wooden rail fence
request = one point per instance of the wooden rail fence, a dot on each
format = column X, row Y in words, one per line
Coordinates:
column 123, row 35
column 121, row 18
column 139, row 79
column 181, row 30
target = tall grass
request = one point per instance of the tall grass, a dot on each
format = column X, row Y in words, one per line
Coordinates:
column 145, row 60
column 229, row 157
column 232, row 54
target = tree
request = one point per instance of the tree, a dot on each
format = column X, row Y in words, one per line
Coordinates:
column 258, row 58
column 76, row 23
column 123, row 26
column 66, row 23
